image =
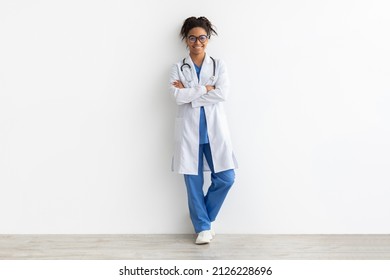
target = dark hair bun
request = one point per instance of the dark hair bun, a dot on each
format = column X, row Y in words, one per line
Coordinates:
column 192, row 22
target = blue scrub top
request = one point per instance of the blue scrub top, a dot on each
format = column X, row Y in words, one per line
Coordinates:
column 203, row 137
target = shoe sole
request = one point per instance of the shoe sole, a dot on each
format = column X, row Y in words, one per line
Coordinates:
column 202, row 243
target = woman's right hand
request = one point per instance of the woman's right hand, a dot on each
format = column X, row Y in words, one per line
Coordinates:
column 178, row 84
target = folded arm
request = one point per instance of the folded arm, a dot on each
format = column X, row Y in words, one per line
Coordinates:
column 181, row 94
column 218, row 93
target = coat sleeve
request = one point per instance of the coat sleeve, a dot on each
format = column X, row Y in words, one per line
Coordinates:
column 183, row 95
column 219, row 94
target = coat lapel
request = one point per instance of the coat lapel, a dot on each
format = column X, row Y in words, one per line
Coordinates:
column 207, row 70
column 205, row 73
column 194, row 78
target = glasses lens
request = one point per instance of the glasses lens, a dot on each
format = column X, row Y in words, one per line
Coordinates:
column 202, row 38
column 192, row 39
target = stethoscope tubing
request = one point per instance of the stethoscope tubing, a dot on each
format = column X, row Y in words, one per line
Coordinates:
column 189, row 66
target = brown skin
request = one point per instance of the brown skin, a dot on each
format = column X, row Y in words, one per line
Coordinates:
column 197, row 53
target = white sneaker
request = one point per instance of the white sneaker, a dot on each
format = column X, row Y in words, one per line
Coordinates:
column 204, row 237
column 212, row 233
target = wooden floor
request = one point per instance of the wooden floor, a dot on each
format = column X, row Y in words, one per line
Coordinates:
column 223, row 247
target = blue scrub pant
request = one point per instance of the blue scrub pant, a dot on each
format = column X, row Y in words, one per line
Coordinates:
column 204, row 209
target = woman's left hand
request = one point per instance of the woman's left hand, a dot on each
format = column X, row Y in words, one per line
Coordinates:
column 178, row 84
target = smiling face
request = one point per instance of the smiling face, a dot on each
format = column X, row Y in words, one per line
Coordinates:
column 201, row 39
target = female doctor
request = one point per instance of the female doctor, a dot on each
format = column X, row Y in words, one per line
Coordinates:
column 199, row 85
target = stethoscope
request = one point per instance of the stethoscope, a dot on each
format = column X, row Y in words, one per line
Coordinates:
column 189, row 66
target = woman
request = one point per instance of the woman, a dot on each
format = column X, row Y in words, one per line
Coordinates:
column 199, row 85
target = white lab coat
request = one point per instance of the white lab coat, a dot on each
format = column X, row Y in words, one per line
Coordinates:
column 189, row 101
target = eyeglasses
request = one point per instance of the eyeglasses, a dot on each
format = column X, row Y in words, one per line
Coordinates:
column 201, row 38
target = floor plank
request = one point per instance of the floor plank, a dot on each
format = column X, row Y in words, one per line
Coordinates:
column 181, row 246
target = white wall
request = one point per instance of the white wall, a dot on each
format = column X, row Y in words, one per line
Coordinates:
column 86, row 123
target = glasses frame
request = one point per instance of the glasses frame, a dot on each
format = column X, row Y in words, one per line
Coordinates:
column 191, row 38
